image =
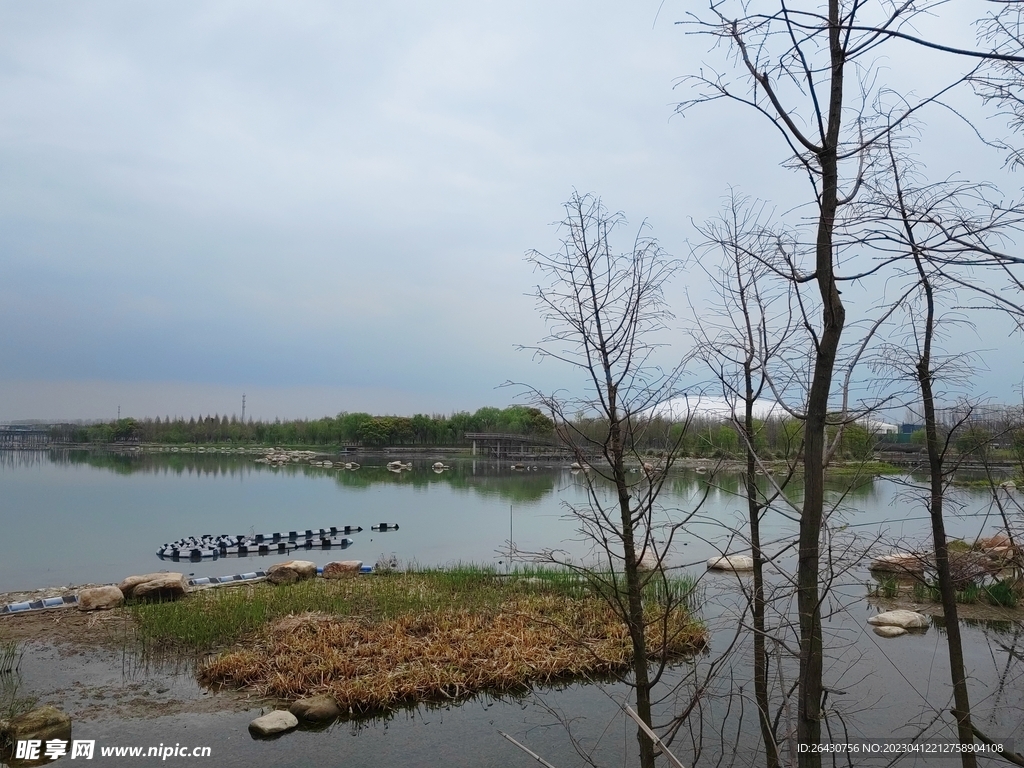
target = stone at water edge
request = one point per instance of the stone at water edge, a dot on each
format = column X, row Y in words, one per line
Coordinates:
column 316, row 709
column 900, row 618
column 41, row 723
column 129, row 585
column 889, row 631
column 167, row 586
column 898, row 562
column 342, row 568
column 648, row 561
column 731, row 563
column 99, row 598
column 278, row 721
column 291, row 571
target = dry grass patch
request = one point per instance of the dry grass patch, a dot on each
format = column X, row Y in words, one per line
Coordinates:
column 370, row 664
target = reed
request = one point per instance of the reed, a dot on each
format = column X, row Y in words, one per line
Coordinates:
column 449, row 653
column 10, row 656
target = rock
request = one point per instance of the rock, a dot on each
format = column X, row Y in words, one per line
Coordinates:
column 128, row 586
column 42, row 723
column 898, row 562
column 316, row 709
column 342, row 568
column 278, row 721
column 731, row 563
column 166, row 586
column 648, row 561
column 291, row 571
column 889, row 631
column 999, row 541
column 99, row 598
column 900, row 618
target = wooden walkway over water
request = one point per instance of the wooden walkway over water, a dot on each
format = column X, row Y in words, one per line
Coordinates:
column 23, row 436
column 500, row 445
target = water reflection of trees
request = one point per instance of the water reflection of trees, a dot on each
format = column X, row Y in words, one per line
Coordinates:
column 483, row 478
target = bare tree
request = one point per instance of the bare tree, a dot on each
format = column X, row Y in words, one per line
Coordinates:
column 752, row 326
column 604, row 310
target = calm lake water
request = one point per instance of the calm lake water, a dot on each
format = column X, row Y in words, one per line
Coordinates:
column 78, row 517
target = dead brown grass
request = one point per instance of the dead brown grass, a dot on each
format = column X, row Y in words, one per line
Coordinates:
column 370, row 665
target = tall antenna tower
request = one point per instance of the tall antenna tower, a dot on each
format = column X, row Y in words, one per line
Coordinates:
column 243, row 407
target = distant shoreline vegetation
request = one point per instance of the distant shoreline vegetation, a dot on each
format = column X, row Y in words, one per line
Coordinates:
column 704, row 436
column 361, row 429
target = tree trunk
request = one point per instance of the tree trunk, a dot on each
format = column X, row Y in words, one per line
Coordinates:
column 760, row 655
column 961, row 697
column 634, row 596
column 833, row 316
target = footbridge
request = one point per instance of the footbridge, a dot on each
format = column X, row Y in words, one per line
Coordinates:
column 502, row 445
column 24, row 436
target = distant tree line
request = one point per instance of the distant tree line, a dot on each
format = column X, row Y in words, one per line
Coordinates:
column 345, row 428
column 701, row 437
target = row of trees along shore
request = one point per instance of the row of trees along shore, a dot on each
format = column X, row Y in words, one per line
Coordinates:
column 343, row 429
column 702, row 437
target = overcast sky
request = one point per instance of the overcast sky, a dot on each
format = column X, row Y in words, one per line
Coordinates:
column 325, row 205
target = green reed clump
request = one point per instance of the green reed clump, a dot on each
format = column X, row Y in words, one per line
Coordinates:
column 885, row 586
column 10, row 655
column 1001, row 593
column 969, row 594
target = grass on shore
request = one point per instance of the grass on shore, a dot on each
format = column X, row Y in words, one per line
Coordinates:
column 377, row 642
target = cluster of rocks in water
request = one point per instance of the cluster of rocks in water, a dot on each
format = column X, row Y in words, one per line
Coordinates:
column 277, row 457
column 898, row 622
column 315, row 710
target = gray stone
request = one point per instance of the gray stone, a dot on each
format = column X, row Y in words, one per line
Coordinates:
column 278, row 721
column 731, row 563
column 900, row 618
column 888, row 631
column 898, row 562
column 166, row 586
column 99, row 598
column 342, row 569
column 291, row 571
column 129, row 585
column 316, row 709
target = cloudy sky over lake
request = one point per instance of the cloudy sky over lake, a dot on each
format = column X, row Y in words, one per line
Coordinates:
column 326, row 205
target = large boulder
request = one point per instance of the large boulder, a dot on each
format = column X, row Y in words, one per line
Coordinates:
column 166, row 586
column 731, row 563
column 99, row 598
column 291, row 571
column 316, row 709
column 899, row 562
column 900, row 618
column 278, row 721
column 342, row 568
column 41, row 723
column 129, row 585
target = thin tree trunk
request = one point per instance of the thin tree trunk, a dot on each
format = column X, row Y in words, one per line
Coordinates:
column 760, row 656
column 961, row 696
column 634, row 597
